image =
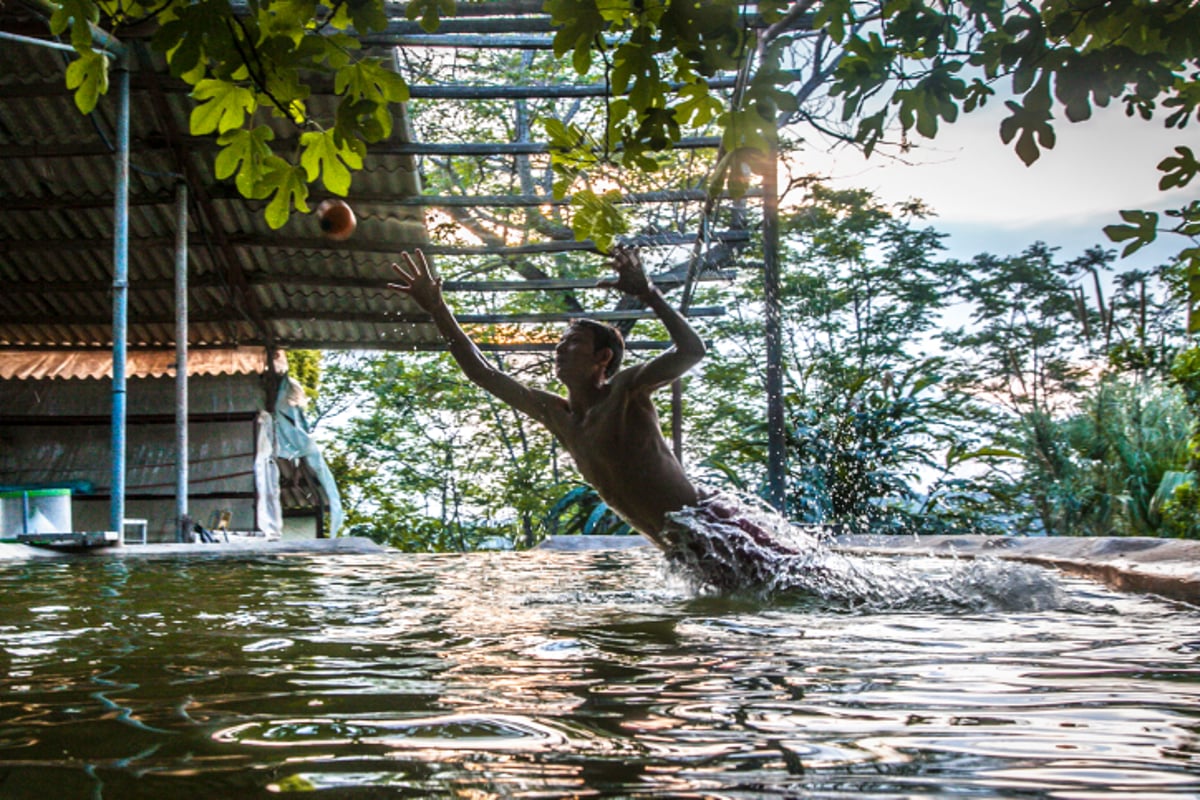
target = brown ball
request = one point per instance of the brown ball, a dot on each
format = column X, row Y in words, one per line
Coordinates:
column 336, row 219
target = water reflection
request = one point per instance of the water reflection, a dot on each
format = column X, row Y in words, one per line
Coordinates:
column 560, row 674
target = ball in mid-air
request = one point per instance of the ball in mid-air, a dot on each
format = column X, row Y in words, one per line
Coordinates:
column 336, row 219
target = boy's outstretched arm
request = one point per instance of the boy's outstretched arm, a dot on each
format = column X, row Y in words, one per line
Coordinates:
column 688, row 347
column 415, row 279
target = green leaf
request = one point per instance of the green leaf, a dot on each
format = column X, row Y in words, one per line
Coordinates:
column 1142, row 230
column 366, row 15
column 287, row 183
column 577, row 25
column 79, row 15
column 222, row 106
column 88, row 76
column 1178, row 171
column 1032, row 123
column 430, row 12
column 954, row 457
column 247, row 154
column 322, row 157
column 370, row 79
column 598, row 217
column 831, row 16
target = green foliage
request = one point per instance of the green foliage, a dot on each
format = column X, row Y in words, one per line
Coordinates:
column 655, row 59
column 247, row 63
column 944, row 56
column 1102, row 471
column 868, row 412
column 1095, row 448
column 304, row 366
column 858, row 460
column 1027, row 331
column 88, row 76
column 596, row 217
column 1185, row 373
column 924, row 62
column 921, row 63
column 581, row 512
column 427, row 462
column 1180, row 509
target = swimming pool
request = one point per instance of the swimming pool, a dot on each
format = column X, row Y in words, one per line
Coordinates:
column 553, row 674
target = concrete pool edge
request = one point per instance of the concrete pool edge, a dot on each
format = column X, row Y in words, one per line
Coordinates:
column 241, row 546
column 1165, row 567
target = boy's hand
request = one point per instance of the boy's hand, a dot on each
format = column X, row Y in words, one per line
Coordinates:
column 631, row 276
column 416, row 281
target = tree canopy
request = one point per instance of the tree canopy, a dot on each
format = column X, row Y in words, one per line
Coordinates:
column 893, row 65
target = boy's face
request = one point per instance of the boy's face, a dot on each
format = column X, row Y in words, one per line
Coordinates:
column 576, row 353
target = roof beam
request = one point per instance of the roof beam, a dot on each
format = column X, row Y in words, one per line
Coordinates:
column 227, row 191
column 503, row 319
column 323, row 84
column 321, row 344
column 378, row 247
column 666, row 280
column 523, row 200
column 662, row 281
column 466, row 148
column 45, row 151
column 466, row 41
column 362, row 318
column 509, row 92
column 555, row 246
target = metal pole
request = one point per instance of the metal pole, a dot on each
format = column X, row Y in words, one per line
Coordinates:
column 16, row 37
column 776, row 437
column 677, row 418
column 120, row 302
column 181, row 361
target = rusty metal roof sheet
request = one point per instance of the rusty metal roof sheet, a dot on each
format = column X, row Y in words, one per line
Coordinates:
column 96, row 364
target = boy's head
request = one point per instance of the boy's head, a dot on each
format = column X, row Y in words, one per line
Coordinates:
column 604, row 336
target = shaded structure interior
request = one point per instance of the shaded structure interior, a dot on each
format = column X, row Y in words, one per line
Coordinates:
column 251, row 290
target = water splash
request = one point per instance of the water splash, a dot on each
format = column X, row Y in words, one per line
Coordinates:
column 729, row 545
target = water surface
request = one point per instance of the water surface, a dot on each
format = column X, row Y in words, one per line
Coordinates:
column 549, row 674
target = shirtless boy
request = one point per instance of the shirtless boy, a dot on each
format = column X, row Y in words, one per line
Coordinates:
column 607, row 421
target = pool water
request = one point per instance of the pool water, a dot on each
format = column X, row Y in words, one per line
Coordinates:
column 554, row 674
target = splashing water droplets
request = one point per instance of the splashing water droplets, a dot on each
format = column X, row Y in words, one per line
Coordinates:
column 728, row 544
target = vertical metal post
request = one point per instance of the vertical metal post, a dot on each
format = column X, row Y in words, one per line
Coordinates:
column 181, row 361
column 776, row 435
column 120, row 301
column 677, row 418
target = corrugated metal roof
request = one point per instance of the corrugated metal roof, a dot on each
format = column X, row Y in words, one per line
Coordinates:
column 249, row 285
column 96, row 364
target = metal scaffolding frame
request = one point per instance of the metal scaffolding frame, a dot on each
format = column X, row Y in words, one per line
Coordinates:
column 499, row 24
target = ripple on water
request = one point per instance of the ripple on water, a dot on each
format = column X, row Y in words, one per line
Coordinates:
column 447, row 732
column 557, row 674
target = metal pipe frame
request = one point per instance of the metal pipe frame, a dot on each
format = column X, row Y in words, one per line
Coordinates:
column 181, row 361
column 120, row 315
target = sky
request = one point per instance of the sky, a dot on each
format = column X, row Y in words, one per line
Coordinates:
column 987, row 200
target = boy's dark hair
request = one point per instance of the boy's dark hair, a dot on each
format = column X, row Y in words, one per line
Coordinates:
column 604, row 335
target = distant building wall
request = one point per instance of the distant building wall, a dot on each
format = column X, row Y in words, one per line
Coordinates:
column 55, row 431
